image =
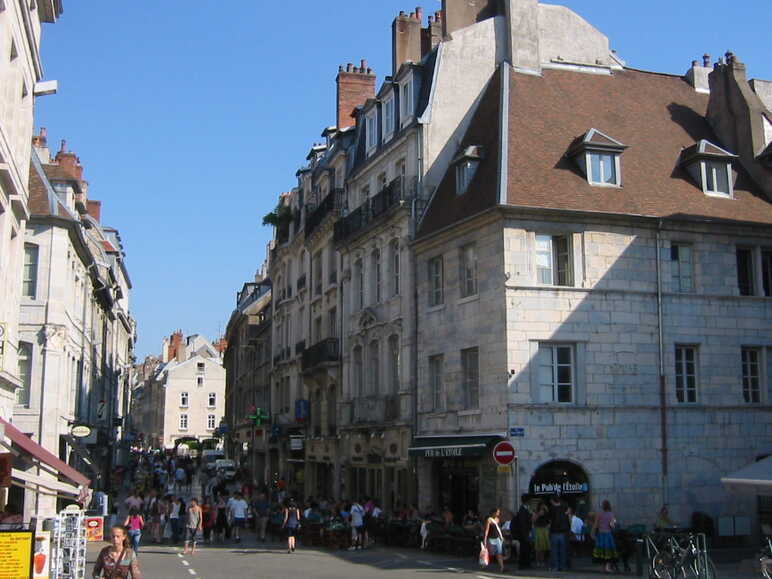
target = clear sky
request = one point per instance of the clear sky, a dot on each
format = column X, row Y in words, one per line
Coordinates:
column 190, row 118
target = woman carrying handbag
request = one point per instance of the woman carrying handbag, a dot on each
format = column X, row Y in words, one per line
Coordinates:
column 493, row 538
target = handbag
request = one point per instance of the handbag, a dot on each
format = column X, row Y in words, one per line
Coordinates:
column 485, row 557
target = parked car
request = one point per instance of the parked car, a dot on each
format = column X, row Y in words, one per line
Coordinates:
column 225, row 468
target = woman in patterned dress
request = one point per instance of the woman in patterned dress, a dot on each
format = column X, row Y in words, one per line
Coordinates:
column 117, row 560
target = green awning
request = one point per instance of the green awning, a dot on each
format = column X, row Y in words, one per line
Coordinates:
column 452, row 446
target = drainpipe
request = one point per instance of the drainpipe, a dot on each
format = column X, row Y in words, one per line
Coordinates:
column 414, row 266
column 662, row 382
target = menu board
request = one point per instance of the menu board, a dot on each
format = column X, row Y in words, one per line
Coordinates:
column 15, row 554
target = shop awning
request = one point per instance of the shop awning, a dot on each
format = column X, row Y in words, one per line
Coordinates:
column 452, row 446
column 25, row 444
column 754, row 479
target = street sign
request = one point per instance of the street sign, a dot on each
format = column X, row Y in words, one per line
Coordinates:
column 517, row 431
column 504, row 453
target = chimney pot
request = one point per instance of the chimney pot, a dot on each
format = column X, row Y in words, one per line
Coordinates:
column 706, row 60
column 43, row 132
column 419, row 13
column 349, row 67
column 431, row 18
column 62, row 146
column 363, row 62
column 694, row 63
column 402, row 13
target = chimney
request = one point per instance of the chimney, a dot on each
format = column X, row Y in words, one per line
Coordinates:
column 522, row 21
column 458, row 14
column 40, row 140
column 406, row 39
column 697, row 75
column 354, row 87
column 40, row 143
column 94, row 208
column 432, row 34
column 175, row 349
column 68, row 161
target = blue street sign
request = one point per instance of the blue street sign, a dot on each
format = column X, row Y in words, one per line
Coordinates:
column 517, row 431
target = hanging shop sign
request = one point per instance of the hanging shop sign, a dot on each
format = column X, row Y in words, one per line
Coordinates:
column 16, row 554
column 80, row 431
column 560, row 477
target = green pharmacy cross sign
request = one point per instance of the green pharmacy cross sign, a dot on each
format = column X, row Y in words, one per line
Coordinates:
column 257, row 416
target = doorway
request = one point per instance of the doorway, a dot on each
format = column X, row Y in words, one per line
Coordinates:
column 459, row 487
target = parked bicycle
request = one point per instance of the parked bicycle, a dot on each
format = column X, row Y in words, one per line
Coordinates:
column 677, row 556
column 765, row 559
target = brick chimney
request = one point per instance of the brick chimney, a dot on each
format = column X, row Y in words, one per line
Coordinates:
column 458, row 14
column 355, row 86
column 69, row 161
column 94, row 208
column 175, row 347
column 406, row 36
column 432, row 34
column 40, row 140
column 221, row 345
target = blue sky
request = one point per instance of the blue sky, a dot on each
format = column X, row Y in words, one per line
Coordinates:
column 190, row 119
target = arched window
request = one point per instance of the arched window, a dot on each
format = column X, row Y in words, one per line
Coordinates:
column 359, row 281
column 393, row 364
column 24, row 358
column 376, row 273
column 358, row 386
column 395, row 256
column 374, row 368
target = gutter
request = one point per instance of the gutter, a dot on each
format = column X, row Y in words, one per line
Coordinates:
column 662, row 381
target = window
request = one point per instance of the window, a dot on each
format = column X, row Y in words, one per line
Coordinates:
column 211, row 422
column 406, row 106
column 745, row 280
column 374, row 368
column 359, row 273
column 395, row 267
column 30, row 272
column 381, row 182
column 358, row 388
column 212, row 399
column 371, row 129
column 435, row 381
column 766, row 272
column 470, row 374
column 465, row 171
column 364, row 194
column 199, row 381
column 200, row 367
column 468, row 271
column 183, row 421
column 316, row 267
column 388, row 117
column 603, row 169
column 376, row 263
column 556, row 373
column 24, row 358
column 184, row 399
column 751, row 375
column 716, row 178
column 436, row 282
column 686, row 373
column 332, row 323
column 553, row 260
column 681, row 267
column 394, row 363
column 317, row 329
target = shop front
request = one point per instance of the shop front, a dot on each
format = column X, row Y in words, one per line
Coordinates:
column 564, row 478
column 458, row 472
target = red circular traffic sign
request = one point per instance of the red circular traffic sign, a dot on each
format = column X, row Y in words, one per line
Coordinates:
column 504, row 453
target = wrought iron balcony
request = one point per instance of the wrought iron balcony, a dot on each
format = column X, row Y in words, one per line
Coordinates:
column 325, row 208
column 299, row 347
column 371, row 210
column 324, row 352
column 301, row 283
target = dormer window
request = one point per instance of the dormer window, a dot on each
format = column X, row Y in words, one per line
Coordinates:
column 598, row 156
column 406, row 102
column 388, row 117
column 711, row 167
column 371, row 131
column 466, row 163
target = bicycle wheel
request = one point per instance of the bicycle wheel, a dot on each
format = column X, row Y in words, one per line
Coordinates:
column 766, row 570
column 660, row 567
column 710, row 572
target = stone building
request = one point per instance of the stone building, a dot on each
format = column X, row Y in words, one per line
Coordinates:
column 21, row 79
column 76, row 335
column 184, row 397
column 594, row 280
column 247, row 362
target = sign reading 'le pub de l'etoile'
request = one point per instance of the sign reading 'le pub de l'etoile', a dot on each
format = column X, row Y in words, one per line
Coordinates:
column 560, row 488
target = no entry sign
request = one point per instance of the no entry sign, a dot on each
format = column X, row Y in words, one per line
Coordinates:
column 504, row 453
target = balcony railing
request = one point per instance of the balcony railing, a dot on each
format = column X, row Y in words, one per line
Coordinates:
column 299, row 347
column 325, row 208
column 326, row 351
column 372, row 209
column 301, row 283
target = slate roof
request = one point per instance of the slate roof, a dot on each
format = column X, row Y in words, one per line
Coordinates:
column 656, row 116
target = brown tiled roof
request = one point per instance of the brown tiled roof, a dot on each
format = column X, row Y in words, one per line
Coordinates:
column 655, row 115
column 446, row 207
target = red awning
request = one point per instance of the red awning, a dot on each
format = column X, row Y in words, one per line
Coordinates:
column 32, row 448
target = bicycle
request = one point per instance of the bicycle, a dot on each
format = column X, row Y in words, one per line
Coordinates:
column 765, row 559
column 684, row 558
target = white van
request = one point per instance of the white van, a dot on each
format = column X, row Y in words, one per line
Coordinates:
column 209, row 457
column 225, row 467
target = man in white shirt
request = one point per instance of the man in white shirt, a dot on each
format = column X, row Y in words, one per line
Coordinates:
column 357, row 525
column 238, row 510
